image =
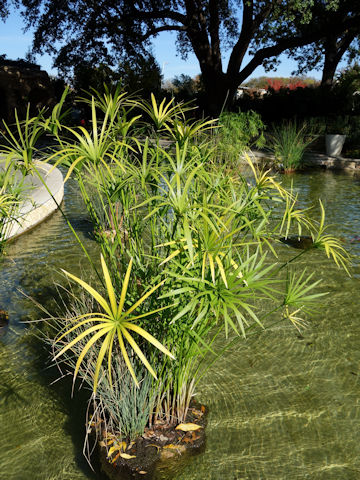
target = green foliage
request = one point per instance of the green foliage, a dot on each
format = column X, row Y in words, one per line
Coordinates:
column 187, row 255
column 119, row 404
column 20, row 146
column 184, row 88
column 288, row 142
column 348, row 85
column 238, row 132
column 329, row 243
column 337, row 125
column 11, row 194
column 303, row 104
column 352, row 145
column 8, row 208
column 139, row 74
column 336, row 45
column 113, row 323
column 122, row 405
column 106, row 35
column 86, row 76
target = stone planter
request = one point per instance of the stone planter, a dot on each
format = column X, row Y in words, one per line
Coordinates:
column 334, row 144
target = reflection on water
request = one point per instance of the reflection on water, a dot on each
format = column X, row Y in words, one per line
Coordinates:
column 283, row 405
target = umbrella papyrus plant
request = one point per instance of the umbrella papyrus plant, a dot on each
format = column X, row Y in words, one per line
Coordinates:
column 113, row 323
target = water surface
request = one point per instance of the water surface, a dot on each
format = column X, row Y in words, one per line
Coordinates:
column 283, row 404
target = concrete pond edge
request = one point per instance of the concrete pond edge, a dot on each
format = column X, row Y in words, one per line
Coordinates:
column 39, row 204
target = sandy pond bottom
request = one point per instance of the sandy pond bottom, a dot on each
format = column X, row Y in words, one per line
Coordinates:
column 282, row 405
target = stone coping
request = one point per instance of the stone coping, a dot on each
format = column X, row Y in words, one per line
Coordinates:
column 315, row 159
column 39, row 204
column 333, row 163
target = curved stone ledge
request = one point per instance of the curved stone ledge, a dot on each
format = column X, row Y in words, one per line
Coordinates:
column 39, row 204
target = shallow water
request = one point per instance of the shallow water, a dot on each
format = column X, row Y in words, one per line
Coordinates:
column 41, row 428
column 283, row 405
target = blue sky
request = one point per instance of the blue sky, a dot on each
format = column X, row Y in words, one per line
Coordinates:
column 171, row 63
column 15, row 43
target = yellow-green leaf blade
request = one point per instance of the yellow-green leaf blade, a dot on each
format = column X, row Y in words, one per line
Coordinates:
column 101, row 300
column 149, row 338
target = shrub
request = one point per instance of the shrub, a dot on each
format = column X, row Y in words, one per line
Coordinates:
column 237, row 133
column 302, row 103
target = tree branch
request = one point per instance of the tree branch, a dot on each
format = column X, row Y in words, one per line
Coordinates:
column 241, row 46
column 249, row 25
column 164, row 28
column 198, row 34
column 264, row 13
column 156, row 14
column 293, row 42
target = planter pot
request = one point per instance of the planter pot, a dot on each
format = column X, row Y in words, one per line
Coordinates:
column 334, row 144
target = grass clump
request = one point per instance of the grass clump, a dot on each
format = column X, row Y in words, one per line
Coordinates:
column 288, row 142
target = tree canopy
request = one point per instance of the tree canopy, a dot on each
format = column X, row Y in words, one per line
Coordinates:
column 326, row 53
column 136, row 75
column 4, row 9
column 108, row 30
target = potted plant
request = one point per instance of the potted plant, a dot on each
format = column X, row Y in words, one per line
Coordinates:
column 336, row 131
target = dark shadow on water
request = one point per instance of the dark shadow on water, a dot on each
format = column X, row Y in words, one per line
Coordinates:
column 47, row 375
column 83, row 225
column 9, row 394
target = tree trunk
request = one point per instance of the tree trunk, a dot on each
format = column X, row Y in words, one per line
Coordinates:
column 220, row 90
column 334, row 51
column 330, row 64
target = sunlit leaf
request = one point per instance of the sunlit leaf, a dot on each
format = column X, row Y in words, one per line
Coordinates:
column 188, row 427
column 126, row 456
column 114, row 323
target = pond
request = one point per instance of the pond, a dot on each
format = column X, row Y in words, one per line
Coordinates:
column 282, row 404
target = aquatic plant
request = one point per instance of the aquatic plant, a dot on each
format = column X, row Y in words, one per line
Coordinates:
column 193, row 240
column 113, row 323
column 288, row 141
column 19, row 145
column 180, row 216
column 8, row 206
column 11, row 194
